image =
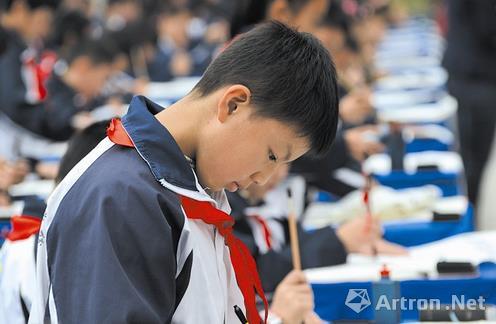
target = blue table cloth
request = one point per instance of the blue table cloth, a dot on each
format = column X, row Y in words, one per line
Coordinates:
column 411, row 234
column 449, row 183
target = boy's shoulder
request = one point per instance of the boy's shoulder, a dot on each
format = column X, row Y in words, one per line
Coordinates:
column 116, row 172
column 118, row 183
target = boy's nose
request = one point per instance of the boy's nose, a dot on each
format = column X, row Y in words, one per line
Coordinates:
column 261, row 177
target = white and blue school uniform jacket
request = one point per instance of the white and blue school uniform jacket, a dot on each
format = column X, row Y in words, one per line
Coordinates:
column 116, row 247
column 18, row 265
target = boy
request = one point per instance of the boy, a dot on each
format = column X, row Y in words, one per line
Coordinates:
column 76, row 80
column 138, row 231
column 24, row 68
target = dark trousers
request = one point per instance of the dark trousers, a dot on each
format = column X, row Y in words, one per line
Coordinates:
column 476, row 126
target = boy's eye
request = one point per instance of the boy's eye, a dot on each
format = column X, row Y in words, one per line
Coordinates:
column 272, row 156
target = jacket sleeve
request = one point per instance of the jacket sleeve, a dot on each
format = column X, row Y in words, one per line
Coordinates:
column 111, row 256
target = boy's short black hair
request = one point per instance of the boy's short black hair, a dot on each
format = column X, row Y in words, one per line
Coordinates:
column 102, row 51
column 32, row 4
column 290, row 75
column 69, row 25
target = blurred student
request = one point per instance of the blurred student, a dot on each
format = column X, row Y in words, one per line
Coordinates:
column 17, row 255
column 25, row 67
column 267, row 234
column 303, row 14
column 17, row 263
column 76, row 81
column 470, row 61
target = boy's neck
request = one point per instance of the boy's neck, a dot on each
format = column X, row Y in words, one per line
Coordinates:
column 184, row 120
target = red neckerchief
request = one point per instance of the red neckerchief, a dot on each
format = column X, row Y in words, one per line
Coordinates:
column 40, row 71
column 243, row 264
column 267, row 233
column 23, row 226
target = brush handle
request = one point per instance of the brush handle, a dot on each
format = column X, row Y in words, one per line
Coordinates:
column 295, row 245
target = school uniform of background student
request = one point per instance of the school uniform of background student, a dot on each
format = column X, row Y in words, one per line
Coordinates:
column 17, row 263
column 17, row 256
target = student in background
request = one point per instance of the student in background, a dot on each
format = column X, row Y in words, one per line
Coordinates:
column 17, row 255
column 17, row 263
column 24, row 68
column 75, row 82
column 470, row 61
column 266, row 233
column 304, row 14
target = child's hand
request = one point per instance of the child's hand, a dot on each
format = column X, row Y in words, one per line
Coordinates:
column 355, row 106
column 361, row 141
column 384, row 247
column 293, row 299
column 358, row 237
column 312, row 318
column 82, row 120
column 181, row 64
column 12, row 173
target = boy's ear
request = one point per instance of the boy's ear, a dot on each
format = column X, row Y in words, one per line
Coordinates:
column 232, row 99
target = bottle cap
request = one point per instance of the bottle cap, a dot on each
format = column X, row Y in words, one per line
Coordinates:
column 385, row 272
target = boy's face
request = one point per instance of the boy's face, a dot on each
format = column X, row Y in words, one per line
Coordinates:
column 40, row 23
column 34, row 24
column 305, row 19
column 311, row 14
column 334, row 41
column 91, row 76
column 238, row 148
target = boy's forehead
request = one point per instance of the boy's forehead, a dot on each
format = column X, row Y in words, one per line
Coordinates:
column 285, row 129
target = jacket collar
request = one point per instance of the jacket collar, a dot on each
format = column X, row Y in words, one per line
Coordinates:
column 162, row 153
